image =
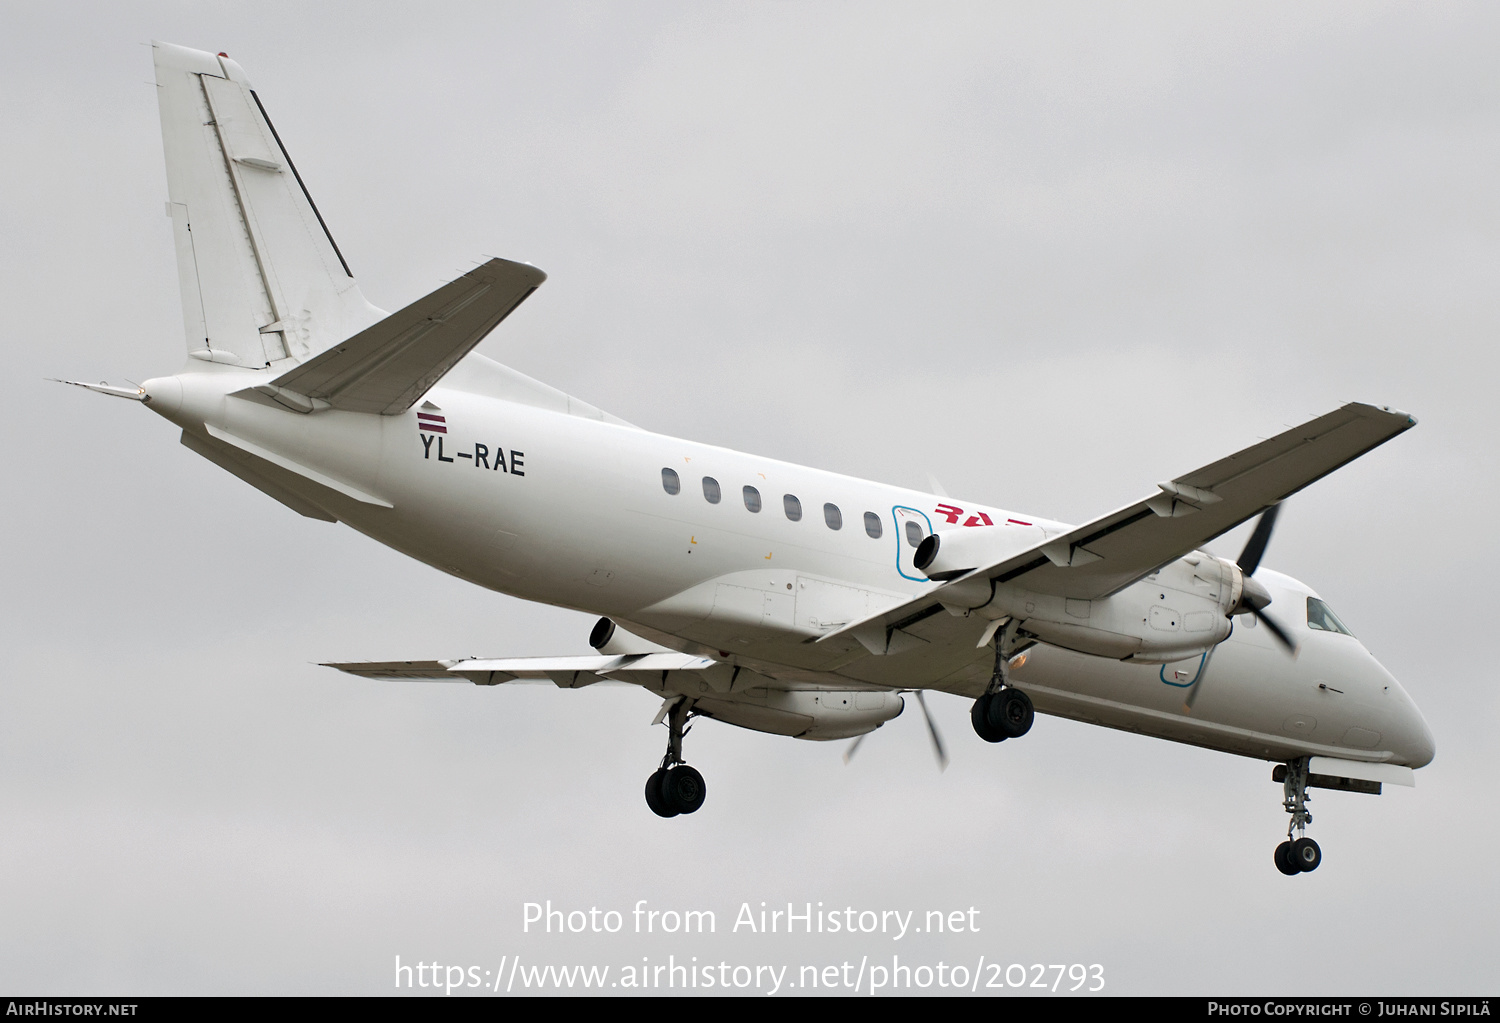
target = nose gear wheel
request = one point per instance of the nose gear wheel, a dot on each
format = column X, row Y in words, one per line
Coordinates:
column 1300, row 854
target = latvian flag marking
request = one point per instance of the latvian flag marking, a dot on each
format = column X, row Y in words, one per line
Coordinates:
column 428, row 421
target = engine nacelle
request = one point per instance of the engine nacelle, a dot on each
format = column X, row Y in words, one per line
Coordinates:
column 609, row 638
column 1178, row 611
column 804, row 713
column 950, row 553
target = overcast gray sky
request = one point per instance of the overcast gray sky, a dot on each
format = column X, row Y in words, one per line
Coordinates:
column 1047, row 253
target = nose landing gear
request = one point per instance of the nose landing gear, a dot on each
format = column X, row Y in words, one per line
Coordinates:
column 1002, row 712
column 1298, row 855
column 675, row 788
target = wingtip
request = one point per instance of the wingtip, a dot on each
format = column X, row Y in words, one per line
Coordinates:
column 1383, row 411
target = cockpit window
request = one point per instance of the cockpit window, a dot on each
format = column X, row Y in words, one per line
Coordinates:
column 1321, row 617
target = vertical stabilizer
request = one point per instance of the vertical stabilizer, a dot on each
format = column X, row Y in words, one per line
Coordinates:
column 262, row 280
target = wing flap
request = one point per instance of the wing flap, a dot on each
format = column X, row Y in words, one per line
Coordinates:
column 386, row 368
column 429, row 671
column 563, row 672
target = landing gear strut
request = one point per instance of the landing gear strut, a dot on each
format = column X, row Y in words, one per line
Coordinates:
column 1002, row 712
column 1301, row 854
column 675, row 787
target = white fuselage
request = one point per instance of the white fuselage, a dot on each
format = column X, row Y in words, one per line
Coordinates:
column 506, row 487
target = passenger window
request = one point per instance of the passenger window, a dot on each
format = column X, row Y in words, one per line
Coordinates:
column 752, row 499
column 669, row 481
column 793, row 507
column 711, row 490
column 1321, row 617
column 872, row 525
column 833, row 516
column 913, row 532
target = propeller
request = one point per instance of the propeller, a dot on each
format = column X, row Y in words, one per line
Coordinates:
column 938, row 749
column 937, row 740
column 1254, row 597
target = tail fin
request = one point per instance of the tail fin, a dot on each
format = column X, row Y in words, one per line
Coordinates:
column 262, row 280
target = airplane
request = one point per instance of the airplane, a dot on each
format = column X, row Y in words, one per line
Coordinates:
column 751, row 591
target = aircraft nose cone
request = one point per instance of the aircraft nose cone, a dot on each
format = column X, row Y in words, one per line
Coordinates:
column 1415, row 747
column 1423, row 746
column 163, row 395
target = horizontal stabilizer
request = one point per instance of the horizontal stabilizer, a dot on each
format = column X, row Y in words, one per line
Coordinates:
column 387, row 368
column 1108, row 554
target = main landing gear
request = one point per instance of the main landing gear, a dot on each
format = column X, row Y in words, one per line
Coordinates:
column 1002, row 712
column 1301, row 854
column 675, row 788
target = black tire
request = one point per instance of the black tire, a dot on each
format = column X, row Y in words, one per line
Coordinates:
column 979, row 716
column 655, row 798
column 683, row 789
column 1305, row 855
column 1012, row 713
column 1284, row 859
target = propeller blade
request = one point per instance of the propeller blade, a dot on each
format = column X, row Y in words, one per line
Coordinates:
column 937, row 740
column 1277, row 631
column 1255, row 596
column 849, row 753
column 1192, row 694
column 1256, row 545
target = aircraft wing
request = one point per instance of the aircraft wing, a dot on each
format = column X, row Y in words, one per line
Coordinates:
column 563, row 672
column 385, row 368
column 1108, row 554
